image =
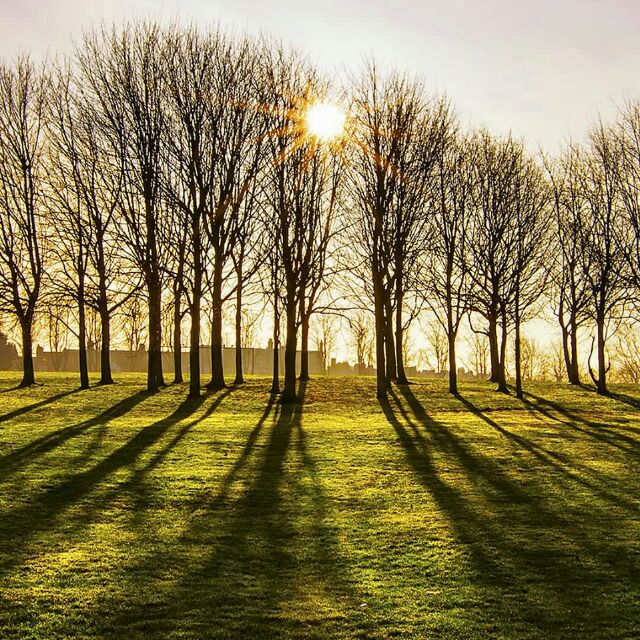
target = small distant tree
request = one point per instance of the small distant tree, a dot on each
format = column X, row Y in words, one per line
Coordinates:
column 627, row 355
column 532, row 359
column 478, row 346
column 557, row 361
column 325, row 337
column 438, row 346
column 361, row 335
column 132, row 323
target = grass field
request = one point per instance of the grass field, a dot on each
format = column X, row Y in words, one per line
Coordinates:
column 125, row 515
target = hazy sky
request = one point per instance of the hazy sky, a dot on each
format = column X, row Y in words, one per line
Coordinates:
column 544, row 69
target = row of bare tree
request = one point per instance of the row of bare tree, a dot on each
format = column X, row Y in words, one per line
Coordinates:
column 176, row 164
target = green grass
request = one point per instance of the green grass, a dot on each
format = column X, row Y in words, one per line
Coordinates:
column 125, row 515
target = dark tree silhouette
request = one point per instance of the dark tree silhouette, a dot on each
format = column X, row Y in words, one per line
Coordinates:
column 23, row 237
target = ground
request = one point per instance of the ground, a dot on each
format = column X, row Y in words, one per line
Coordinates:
column 124, row 515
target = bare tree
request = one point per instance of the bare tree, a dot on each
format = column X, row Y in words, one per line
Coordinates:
column 490, row 256
column 22, row 228
column 627, row 355
column 530, row 272
column 445, row 278
column 191, row 77
column 125, row 72
column 385, row 113
column 604, row 266
column 132, row 323
column 299, row 190
column 68, row 212
column 478, row 345
column 425, row 126
column 362, row 337
column 316, row 275
column 569, row 262
column 240, row 128
column 437, row 343
column 325, row 338
column 627, row 139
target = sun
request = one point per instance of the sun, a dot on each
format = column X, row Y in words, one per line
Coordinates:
column 324, row 120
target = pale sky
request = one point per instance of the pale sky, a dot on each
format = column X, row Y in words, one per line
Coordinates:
column 543, row 69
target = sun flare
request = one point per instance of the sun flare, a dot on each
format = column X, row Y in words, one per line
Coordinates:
column 325, row 120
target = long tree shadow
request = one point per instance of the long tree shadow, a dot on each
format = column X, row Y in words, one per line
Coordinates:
column 521, row 536
column 41, row 514
column 560, row 463
column 16, row 413
column 594, row 430
column 27, row 453
column 626, row 399
column 254, row 549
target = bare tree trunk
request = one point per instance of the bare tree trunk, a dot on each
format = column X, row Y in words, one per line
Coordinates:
column 493, row 349
column 105, row 344
column 453, row 371
column 400, row 372
column 28, row 376
column 304, row 344
column 289, row 391
column 105, row 315
column 217, row 369
column 390, row 351
column 177, row 339
column 194, row 338
column 602, row 368
column 575, row 370
column 82, row 336
column 155, row 378
column 566, row 354
column 402, row 376
column 378, row 294
column 275, row 381
column 517, row 354
column 502, row 374
column 239, row 379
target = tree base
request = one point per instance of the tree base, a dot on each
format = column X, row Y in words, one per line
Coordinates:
column 289, row 399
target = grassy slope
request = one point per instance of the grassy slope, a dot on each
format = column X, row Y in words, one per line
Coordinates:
column 124, row 515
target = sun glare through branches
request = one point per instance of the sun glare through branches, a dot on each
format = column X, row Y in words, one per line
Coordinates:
column 324, row 120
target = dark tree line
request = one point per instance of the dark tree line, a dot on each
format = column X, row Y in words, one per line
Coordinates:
column 176, row 168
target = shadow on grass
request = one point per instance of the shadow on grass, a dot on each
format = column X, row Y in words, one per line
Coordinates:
column 558, row 462
column 256, row 550
column 16, row 413
column 594, row 430
column 528, row 540
column 42, row 513
column 25, row 454
column 626, row 399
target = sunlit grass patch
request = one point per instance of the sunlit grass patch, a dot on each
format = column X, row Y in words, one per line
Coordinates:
column 128, row 515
